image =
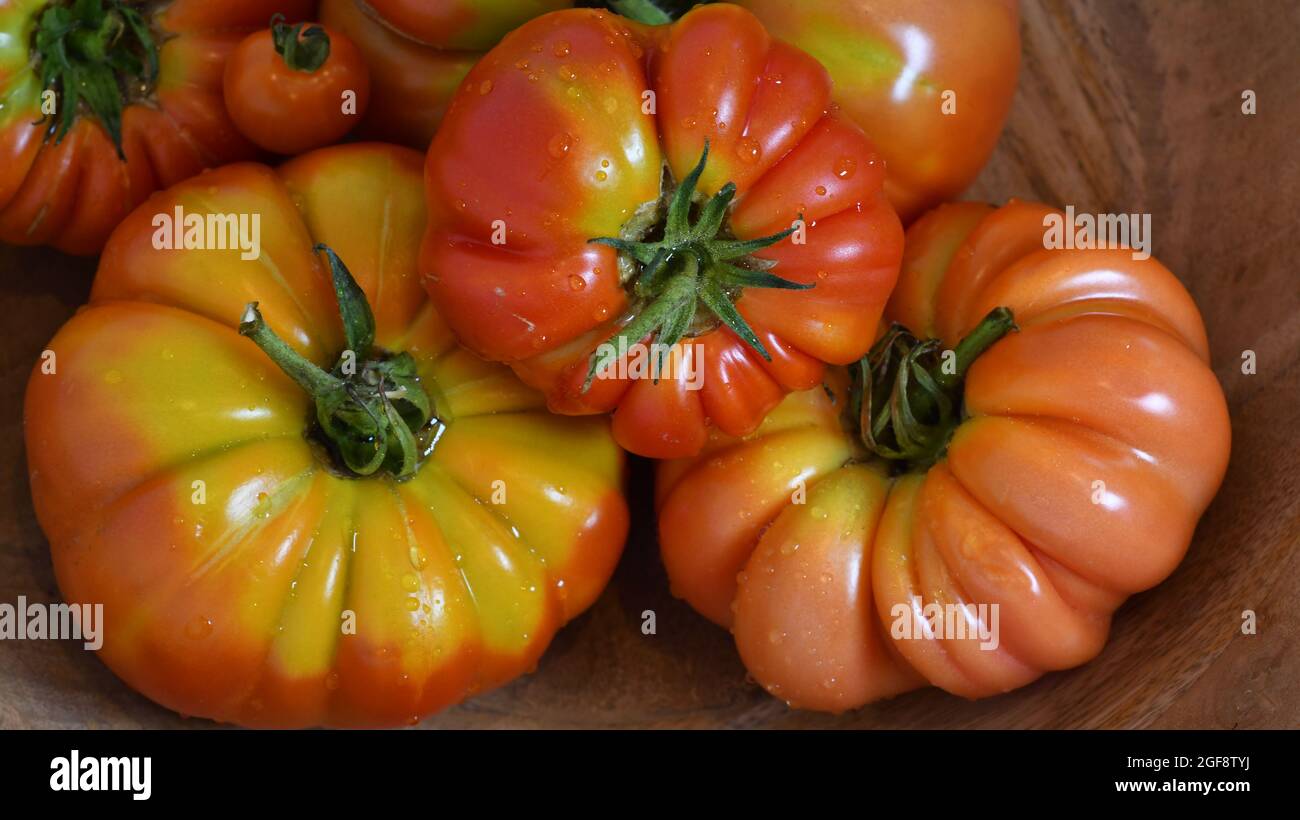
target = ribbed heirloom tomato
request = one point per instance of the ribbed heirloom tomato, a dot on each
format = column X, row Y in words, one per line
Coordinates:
column 599, row 186
column 104, row 101
column 858, row 543
column 332, row 522
column 930, row 81
column 419, row 51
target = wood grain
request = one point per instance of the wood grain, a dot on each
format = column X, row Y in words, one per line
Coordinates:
column 1123, row 106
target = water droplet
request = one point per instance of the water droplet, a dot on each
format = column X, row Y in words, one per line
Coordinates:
column 560, row 145
column 601, row 176
column 561, row 49
column 576, row 282
column 689, row 122
column 198, row 628
column 567, row 72
column 485, row 87
column 749, row 150
column 410, row 582
column 412, row 604
column 821, row 190
column 846, row 167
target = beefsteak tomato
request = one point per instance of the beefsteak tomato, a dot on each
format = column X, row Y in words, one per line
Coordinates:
column 411, row 528
column 930, row 81
column 968, row 519
column 104, row 101
column 418, row 52
column 600, row 189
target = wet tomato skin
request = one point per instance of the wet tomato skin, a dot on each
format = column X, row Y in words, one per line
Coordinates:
column 560, row 135
column 1068, row 485
column 244, row 578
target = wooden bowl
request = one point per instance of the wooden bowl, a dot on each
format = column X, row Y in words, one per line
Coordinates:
column 1122, row 107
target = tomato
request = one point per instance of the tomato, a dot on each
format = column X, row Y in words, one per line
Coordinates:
column 292, row 88
column 930, row 81
column 679, row 301
column 412, row 532
column 418, row 53
column 76, row 153
column 1026, row 490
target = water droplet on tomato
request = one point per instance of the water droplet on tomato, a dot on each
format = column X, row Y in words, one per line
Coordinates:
column 846, row 167
column 821, row 190
column 749, row 150
column 561, row 49
column 560, row 145
column 485, row 87
column 198, row 628
column 576, row 282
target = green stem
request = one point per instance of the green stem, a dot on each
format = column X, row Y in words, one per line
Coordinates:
column 371, row 406
column 91, row 53
column 642, row 11
column 309, row 377
column 696, row 265
column 998, row 323
column 907, row 394
column 304, row 47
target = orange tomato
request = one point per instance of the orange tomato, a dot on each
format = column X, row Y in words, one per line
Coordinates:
column 251, row 568
column 292, row 88
column 1067, row 472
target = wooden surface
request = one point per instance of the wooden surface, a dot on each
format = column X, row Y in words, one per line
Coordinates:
column 1122, row 107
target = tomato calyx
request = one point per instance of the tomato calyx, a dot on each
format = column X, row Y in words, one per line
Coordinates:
column 96, row 52
column 371, row 412
column 907, row 393
column 304, row 47
column 642, row 11
column 695, row 263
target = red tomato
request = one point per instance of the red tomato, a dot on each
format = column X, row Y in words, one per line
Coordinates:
column 558, row 244
column 1052, row 472
column 75, row 160
column 419, row 51
column 292, row 88
column 930, row 81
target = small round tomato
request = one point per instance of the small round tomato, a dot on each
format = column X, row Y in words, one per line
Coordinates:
column 667, row 222
column 968, row 504
column 292, row 88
